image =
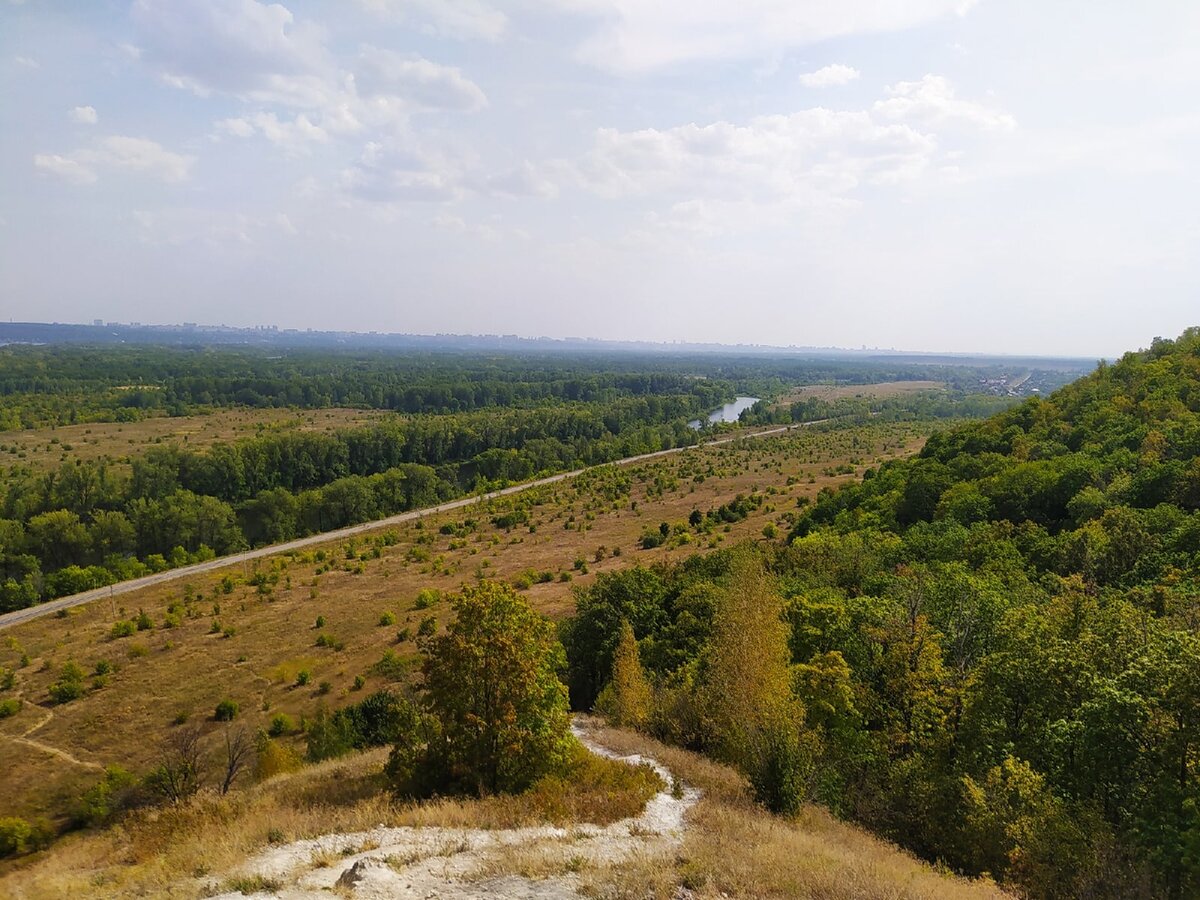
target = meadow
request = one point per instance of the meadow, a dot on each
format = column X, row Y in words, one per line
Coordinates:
column 297, row 632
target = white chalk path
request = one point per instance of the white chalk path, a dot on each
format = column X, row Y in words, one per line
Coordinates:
column 460, row 863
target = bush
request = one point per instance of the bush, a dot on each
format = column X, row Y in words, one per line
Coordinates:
column 392, row 666
column 9, row 706
column 143, row 621
column 329, row 736
column 273, row 758
column 427, row 597
column 226, row 711
column 387, row 619
column 280, row 725
column 69, row 685
column 108, row 796
column 15, row 836
column 122, row 629
column 303, row 677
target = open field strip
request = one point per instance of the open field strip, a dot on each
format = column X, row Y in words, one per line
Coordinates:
column 24, row 615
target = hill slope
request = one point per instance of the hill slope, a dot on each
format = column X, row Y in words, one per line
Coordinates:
column 1018, row 610
column 276, row 839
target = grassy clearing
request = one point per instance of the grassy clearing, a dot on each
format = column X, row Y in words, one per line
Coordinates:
column 882, row 391
column 118, row 442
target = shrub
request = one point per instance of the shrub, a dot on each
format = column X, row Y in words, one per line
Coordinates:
column 303, row 677
column 143, row 621
column 392, row 666
column 329, row 736
column 387, row 619
column 273, row 758
column 111, row 794
column 122, row 629
column 15, row 835
column 280, row 725
column 427, row 597
column 226, row 711
column 427, row 627
column 9, row 706
column 69, row 685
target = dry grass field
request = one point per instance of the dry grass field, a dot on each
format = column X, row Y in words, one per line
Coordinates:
column 728, row 847
column 117, row 442
column 251, row 634
column 881, row 391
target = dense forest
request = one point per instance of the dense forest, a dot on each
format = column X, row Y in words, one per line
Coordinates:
column 994, row 645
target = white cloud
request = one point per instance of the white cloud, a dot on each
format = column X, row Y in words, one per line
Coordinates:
column 226, row 45
column 85, row 115
column 710, row 175
column 810, row 155
column 464, row 19
column 932, row 101
column 117, row 152
column 64, row 167
column 294, row 136
column 523, row 181
column 26, row 62
column 637, row 36
column 238, row 127
column 829, row 76
column 417, row 81
column 394, row 174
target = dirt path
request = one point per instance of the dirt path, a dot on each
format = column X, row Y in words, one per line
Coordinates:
column 460, row 863
column 7, row 620
column 24, row 738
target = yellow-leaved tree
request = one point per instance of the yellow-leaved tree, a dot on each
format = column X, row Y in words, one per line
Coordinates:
column 751, row 714
column 627, row 699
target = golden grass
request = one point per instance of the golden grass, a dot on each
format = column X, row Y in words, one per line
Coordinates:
column 880, row 391
column 180, row 851
column 47, row 448
column 732, row 848
column 188, row 669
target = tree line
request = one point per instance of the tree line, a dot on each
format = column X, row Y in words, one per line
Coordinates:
column 86, row 524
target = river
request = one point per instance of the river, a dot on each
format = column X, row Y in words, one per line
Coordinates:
column 727, row 413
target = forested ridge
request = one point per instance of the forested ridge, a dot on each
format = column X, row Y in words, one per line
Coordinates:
column 994, row 644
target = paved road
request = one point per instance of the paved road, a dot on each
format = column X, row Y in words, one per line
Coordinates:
column 44, row 609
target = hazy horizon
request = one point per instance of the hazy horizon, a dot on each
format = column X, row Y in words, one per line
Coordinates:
column 941, row 176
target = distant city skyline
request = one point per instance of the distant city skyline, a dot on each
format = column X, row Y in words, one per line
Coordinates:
column 934, row 175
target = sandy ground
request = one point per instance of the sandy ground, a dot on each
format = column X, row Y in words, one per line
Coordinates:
column 458, row 863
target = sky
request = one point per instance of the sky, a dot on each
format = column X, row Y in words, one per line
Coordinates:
column 994, row 176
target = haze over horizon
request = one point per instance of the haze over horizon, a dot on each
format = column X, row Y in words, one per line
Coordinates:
column 940, row 175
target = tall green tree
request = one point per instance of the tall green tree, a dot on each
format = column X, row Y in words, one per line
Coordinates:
column 491, row 683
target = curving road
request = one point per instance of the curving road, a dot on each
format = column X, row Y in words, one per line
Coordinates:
column 51, row 606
